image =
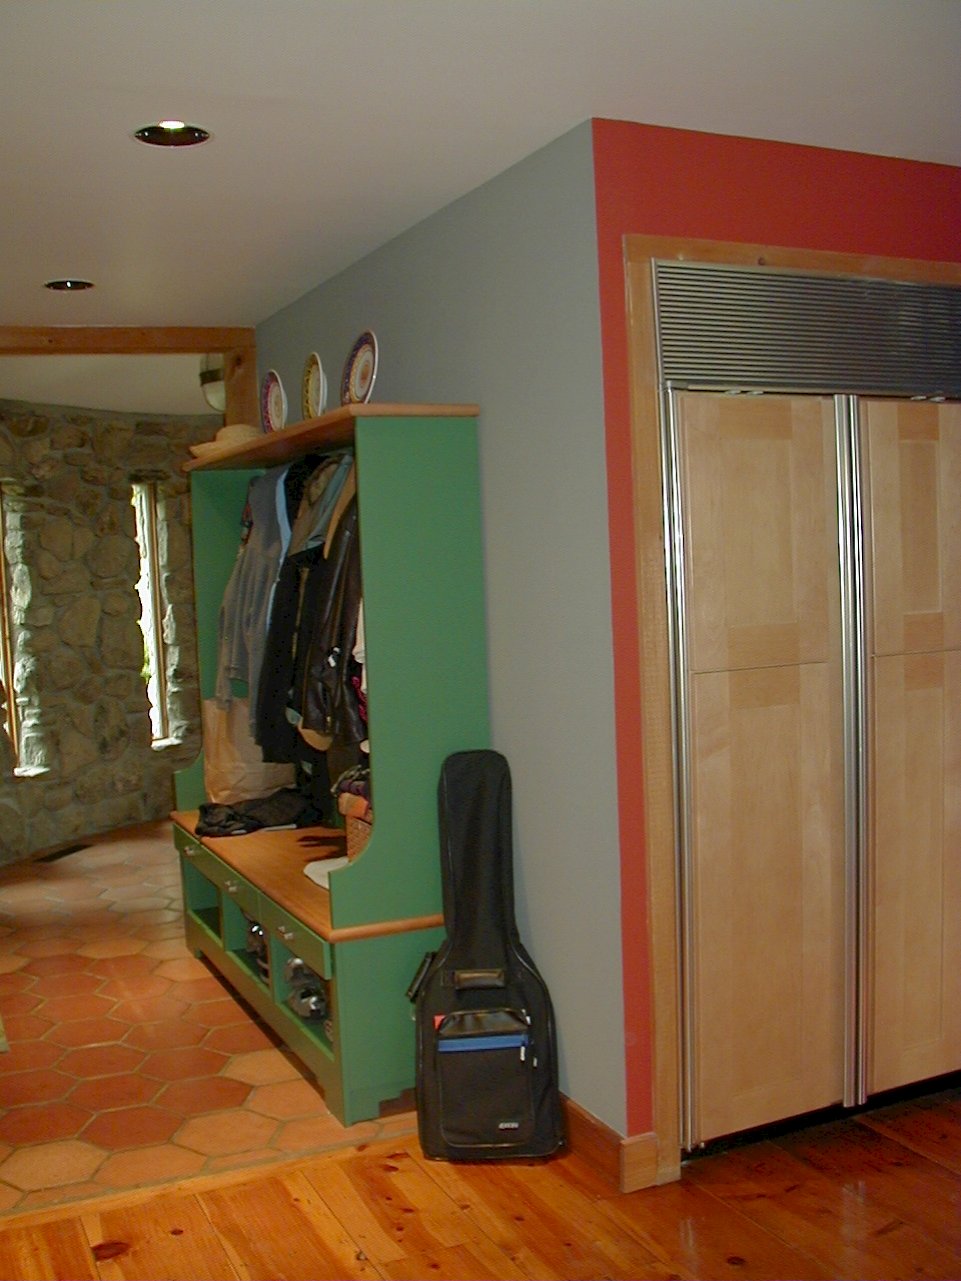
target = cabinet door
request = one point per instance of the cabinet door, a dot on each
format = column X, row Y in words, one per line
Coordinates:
column 764, row 745
column 913, row 472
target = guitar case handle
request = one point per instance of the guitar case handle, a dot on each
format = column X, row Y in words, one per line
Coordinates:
column 464, row 979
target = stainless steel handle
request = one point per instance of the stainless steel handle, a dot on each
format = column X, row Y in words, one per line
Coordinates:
column 854, row 670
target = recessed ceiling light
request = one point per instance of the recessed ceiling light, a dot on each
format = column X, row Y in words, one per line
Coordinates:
column 68, row 284
column 171, row 133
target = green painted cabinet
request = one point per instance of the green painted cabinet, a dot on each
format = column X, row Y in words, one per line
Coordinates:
column 422, row 578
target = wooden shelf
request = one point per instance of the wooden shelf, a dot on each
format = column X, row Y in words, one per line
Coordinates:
column 331, row 431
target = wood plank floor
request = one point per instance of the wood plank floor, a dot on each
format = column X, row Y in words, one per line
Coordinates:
column 877, row 1195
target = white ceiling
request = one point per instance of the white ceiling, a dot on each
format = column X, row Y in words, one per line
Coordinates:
column 338, row 123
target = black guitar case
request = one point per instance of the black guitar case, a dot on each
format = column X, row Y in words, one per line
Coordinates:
column 486, row 1050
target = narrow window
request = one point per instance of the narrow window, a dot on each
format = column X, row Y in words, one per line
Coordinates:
column 8, row 706
column 149, row 588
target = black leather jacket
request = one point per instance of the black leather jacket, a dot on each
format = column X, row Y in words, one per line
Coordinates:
column 307, row 699
column 323, row 692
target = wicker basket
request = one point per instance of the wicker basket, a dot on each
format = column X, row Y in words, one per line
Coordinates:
column 358, row 834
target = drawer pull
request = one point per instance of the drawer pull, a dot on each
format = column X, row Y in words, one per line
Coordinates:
column 285, row 934
column 231, row 887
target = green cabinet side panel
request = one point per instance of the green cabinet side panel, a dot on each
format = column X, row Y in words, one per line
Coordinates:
column 216, row 505
column 426, row 656
column 372, row 976
column 189, row 787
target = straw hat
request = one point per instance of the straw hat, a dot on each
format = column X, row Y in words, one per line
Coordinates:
column 234, row 433
column 228, row 437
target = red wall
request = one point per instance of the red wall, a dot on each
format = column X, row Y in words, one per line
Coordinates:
column 673, row 182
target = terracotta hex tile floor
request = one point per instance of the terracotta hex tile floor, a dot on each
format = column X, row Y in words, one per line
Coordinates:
column 130, row 1063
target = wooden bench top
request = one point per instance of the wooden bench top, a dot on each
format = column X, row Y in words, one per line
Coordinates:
column 273, row 862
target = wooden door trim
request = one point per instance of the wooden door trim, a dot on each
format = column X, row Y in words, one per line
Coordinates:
column 650, row 552
column 237, row 345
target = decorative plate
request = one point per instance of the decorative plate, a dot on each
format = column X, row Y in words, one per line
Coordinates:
column 273, row 402
column 314, row 387
column 360, row 370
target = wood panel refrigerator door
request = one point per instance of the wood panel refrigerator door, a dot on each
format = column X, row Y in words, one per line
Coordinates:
column 912, row 457
column 765, row 874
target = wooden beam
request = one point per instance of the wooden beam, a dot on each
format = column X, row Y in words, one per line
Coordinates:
column 240, row 384
column 95, row 340
column 238, row 347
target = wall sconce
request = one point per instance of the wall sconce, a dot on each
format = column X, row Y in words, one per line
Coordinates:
column 212, row 382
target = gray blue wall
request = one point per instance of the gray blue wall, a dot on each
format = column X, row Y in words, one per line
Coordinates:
column 495, row 300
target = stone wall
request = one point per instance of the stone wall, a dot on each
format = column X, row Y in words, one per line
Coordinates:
column 87, row 764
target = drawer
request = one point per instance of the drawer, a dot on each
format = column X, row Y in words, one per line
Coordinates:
column 201, row 858
column 241, row 892
column 314, row 951
column 201, row 900
column 236, row 887
column 184, row 841
column 204, row 861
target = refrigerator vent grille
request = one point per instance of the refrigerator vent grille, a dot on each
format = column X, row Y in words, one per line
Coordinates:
column 768, row 329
